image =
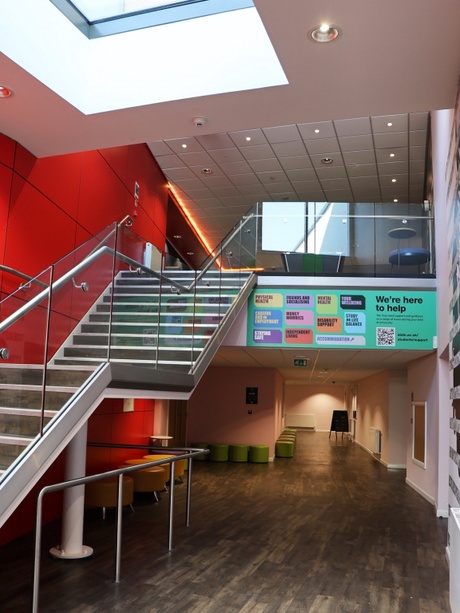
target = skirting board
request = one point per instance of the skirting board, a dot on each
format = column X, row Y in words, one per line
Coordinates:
column 421, row 492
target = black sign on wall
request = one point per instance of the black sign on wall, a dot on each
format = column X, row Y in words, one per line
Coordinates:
column 252, row 394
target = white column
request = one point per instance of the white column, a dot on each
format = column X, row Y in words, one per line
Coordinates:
column 73, row 504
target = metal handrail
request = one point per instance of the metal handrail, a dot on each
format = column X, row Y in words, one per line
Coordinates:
column 21, row 275
column 97, row 253
column 189, row 453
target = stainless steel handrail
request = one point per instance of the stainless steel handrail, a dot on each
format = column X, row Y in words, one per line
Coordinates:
column 94, row 255
column 22, row 275
column 189, row 453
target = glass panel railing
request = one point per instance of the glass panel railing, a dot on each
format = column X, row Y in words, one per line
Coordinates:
column 23, row 348
column 323, row 238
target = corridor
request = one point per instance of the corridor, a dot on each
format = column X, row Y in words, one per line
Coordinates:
column 330, row 531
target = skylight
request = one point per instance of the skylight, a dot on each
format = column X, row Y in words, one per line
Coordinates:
column 179, row 60
column 107, row 17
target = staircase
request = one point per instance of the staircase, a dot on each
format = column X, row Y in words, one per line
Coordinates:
column 158, row 336
column 153, row 326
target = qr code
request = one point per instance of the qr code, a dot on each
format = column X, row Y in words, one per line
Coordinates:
column 385, row 337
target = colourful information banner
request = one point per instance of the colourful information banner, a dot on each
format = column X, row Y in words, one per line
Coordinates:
column 368, row 319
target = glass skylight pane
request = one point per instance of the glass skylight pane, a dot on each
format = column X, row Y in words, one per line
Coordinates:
column 108, row 9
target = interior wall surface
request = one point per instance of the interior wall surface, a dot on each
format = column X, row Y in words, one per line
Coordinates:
column 317, row 400
column 422, row 382
column 218, row 411
column 398, row 424
column 373, row 412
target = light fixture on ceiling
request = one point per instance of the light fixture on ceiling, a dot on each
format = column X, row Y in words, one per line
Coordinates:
column 177, row 235
column 206, row 171
column 199, row 121
column 393, row 180
column 184, row 146
column 5, row 92
column 190, row 253
column 395, row 200
column 326, row 160
column 325, row 33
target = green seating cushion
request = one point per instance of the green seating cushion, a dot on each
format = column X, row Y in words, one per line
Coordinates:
column 284, row 449
column 218, row 452
column 258, row 453
column 238, row 453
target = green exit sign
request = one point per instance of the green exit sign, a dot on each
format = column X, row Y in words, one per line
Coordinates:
column 302, row 362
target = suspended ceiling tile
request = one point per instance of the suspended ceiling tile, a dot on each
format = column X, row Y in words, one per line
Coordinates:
column 235, row 168
column 356, row 143
column 256, row 137
column 329, row 184
column 392, row 168
column 361, row 170
column 385, row 155
column 170, row 161
column 366, row 156
column 226, row 155
column 321, row 129
column 352, row 127
column 417, row 138
column 364, row 183
column 177, row 144
column 331, row 172
column 291, row 149
column 258, row 152
column 399, row 123
column 159, row 148
column 191, row 184
column 282, row 134
column 322, row 146
column 295, row 162
column 179, row 174
column 225, row 191
column 417, row 153
column 418, row 121
column 307, row 186
column 266, row 165
column 245, row 179
column 307, row 174
column 272, row 177
column 215, row 141
column 392, row 139
column 339, row 195
column 196, row 158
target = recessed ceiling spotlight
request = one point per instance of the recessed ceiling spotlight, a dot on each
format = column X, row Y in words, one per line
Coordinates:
column 206, row 171
column 395, row 200
column 190, row 253
column 393, row 180
column 5, row 92
column 326, row 160
column 389, row 124
column 177, row 235
column 316, row 131
column 325, row 33
column 184, row 146
column 248, row 138
column 392, row 155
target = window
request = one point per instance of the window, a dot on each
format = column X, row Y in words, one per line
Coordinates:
column 106, row 17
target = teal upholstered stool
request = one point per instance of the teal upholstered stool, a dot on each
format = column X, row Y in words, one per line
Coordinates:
column 284, row 449
column 204, row 456
column 258, row 453
column 238, row 453
column 218, row 453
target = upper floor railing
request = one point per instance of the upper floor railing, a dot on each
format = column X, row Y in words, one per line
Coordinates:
column 324, row 238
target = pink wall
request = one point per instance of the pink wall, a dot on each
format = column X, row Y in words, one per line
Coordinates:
column 318, row 400
column 423, row 384
column 372, row 411
column 218, row 413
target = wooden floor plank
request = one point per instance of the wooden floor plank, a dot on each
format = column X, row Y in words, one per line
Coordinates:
column 328, row 531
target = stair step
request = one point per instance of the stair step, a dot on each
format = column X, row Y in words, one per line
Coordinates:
column 21, row 425
column 131, row 353
column 141, row 328
column 31, row 374
column 174, row 365
column 140, row 340
column 31, row 397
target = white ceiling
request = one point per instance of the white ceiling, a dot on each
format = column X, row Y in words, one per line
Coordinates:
column 395, row 62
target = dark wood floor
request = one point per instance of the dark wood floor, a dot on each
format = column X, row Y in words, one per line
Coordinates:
column 330, row 531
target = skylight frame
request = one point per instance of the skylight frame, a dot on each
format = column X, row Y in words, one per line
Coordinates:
column 147, row 18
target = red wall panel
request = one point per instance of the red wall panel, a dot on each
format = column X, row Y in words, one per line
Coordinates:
column 47, row 208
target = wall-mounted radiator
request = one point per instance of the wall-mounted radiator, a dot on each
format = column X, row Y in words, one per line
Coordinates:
column 375, row 440
column 300, row 420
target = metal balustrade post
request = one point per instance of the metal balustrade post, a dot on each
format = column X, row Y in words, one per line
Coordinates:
column 171, row 506
column 118, row 535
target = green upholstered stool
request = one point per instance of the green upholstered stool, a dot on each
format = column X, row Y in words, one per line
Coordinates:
column 285, row 437
column 218, row 453
column 238, row 453
column 292, row 430
column 200, row 458
column 258, row 454
column 284, row 449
